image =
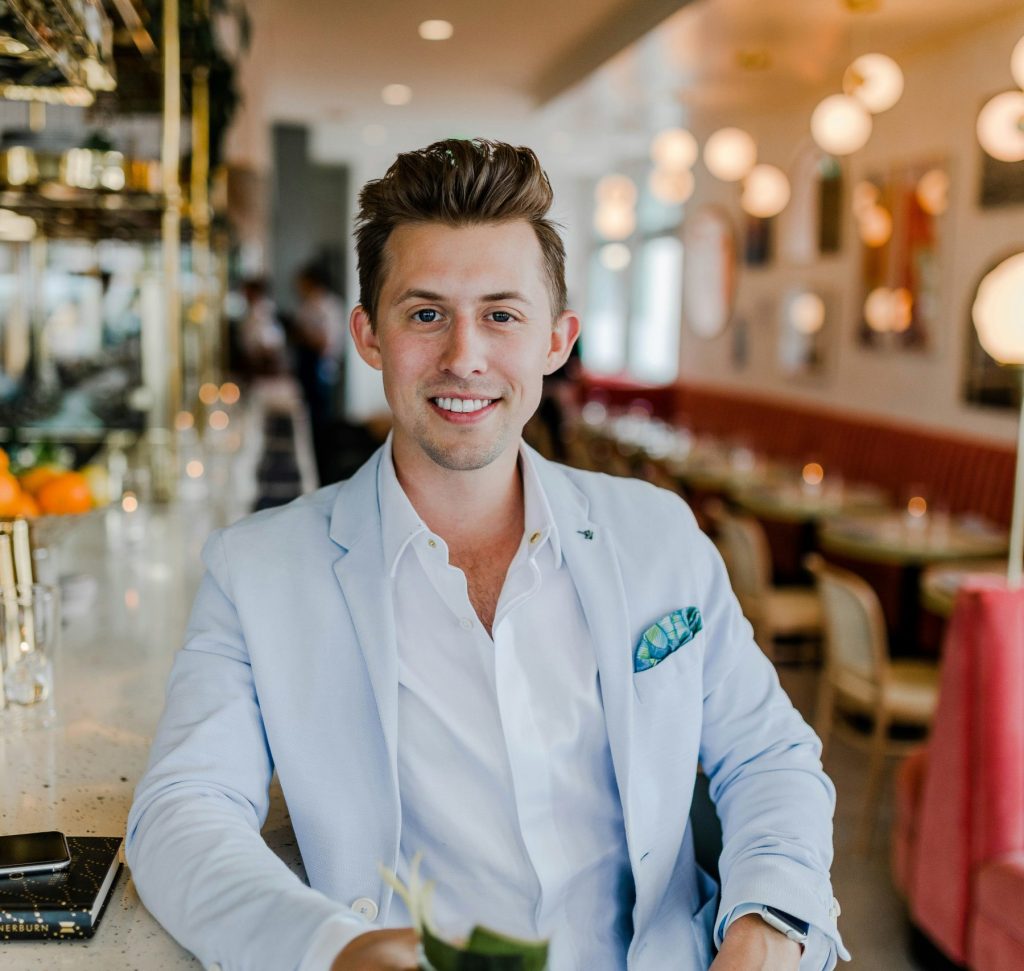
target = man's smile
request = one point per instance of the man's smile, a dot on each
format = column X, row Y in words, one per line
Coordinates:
column 463, row 409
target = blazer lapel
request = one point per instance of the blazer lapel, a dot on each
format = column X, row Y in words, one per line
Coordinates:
column 363, row 578
column 594, row 565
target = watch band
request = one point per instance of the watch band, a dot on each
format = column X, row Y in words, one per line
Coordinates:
column 795, row 929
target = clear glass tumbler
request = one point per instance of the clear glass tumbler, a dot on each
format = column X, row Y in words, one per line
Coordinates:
column 29, row 644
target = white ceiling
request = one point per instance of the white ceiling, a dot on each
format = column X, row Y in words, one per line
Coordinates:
column 573, row 75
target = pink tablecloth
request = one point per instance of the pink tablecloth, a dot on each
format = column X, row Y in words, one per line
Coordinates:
column 972, row 810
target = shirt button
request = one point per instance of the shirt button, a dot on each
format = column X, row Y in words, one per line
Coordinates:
column 465, row 623
column 534, row 537
column 432, row 543
column 365, row 907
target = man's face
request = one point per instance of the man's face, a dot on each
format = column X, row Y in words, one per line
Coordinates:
column 464, row 337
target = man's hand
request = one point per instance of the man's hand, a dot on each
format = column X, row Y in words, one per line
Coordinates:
column 391, row 950
column 751, row 945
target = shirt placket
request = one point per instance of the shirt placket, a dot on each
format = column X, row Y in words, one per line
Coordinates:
column 516, row 665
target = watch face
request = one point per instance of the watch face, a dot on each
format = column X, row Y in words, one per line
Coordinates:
column 792, row 927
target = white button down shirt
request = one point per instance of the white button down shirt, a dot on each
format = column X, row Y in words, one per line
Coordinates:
column 505, row 772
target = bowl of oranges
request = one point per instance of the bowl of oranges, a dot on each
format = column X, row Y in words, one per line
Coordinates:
column 51, row 497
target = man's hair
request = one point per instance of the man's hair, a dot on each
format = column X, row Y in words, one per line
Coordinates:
column 457, row 182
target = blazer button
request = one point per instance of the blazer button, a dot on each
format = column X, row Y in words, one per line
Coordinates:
column 365, row 907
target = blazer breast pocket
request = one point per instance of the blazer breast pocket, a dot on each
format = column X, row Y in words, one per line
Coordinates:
column 673, row 677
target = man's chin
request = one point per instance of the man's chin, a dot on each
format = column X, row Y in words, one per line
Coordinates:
column 466, row 455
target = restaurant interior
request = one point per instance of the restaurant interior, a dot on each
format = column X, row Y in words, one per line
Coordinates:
column 795, row 237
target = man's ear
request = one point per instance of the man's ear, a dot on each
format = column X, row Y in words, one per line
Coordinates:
column 365, row 337
column 563, row 335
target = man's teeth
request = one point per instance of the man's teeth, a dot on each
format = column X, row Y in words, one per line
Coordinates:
column 462, row 404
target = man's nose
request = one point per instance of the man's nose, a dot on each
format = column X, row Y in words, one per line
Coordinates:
column 465, row 349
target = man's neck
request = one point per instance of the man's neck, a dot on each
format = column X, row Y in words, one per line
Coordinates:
column 467, row 509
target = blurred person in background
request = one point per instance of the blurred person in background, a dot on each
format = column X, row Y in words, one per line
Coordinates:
column 261, row 336
column 318, row 335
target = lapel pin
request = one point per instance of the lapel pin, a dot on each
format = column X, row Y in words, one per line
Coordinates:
column 586, row 533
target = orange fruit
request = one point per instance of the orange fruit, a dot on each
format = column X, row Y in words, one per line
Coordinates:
column 9, row 493
column 35, row 479
column 68, row 493
column 26, row 507
column 5, row 461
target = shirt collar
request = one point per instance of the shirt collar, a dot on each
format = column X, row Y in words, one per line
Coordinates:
column 401, row 524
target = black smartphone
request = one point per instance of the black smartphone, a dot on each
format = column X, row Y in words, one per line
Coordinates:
column 26, row 853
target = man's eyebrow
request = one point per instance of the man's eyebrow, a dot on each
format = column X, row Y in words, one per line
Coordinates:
column 415, row 294
column 503, row 295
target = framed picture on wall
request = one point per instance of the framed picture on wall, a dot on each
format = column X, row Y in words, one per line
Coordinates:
column 1002, row 183
column 758, row 241
column 810, row 227
column 806, row 324
column 900, row 218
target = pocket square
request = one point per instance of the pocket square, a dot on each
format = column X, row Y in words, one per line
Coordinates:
column 666, row 636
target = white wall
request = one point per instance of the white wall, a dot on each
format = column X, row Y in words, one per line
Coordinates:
column 935, row 119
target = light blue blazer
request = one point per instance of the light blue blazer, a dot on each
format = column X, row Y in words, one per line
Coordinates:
column 290, row 663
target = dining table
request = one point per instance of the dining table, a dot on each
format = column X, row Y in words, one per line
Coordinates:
column 941, row 582
column 796, row 501
column 900, row 546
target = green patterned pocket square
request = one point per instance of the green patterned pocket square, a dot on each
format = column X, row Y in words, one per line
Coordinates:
column 666, row 636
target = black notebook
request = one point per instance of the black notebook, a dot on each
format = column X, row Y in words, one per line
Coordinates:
column 63, row 905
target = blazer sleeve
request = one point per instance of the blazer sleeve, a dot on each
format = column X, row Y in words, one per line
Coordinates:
column 193, row 842
column 763, row 762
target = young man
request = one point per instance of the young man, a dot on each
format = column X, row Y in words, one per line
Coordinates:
column 467, row 651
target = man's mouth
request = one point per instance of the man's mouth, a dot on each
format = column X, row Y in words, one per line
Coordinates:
column 463, row 405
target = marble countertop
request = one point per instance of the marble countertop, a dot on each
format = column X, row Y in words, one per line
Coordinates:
column 121, row 631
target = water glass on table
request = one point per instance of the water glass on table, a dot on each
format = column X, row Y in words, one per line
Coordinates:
column 30, row 629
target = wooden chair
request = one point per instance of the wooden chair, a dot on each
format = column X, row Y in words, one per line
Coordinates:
column 860, row 679
column 774, row 612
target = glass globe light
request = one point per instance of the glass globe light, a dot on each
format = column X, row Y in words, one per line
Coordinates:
column 932, row 192
column 615, row 256
column 616, row 190
column 840, row 124
column 671, row 186
column 765, row 191
column 729, row 154
column 615, row 222
column 901, row 310
column 1001, row 126
column 878, row 310
column 875, row 226
column 997, row 311
column 875, row 80
column 1017, row 63
column 807, row 313
column 674, row 148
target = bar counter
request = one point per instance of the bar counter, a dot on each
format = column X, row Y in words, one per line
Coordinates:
column 79, row 774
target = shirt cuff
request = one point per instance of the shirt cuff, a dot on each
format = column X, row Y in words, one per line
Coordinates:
column 820, row 952
column 331, row 936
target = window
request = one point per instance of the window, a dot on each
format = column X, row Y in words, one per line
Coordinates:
column 656, row 311
column 634, row 300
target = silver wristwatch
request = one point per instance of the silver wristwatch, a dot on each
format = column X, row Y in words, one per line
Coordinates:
column 795, row 929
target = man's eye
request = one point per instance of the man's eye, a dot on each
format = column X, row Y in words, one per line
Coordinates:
column 502, row 316
column 426, row 316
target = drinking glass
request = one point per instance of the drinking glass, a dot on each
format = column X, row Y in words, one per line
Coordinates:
column 30, row 631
